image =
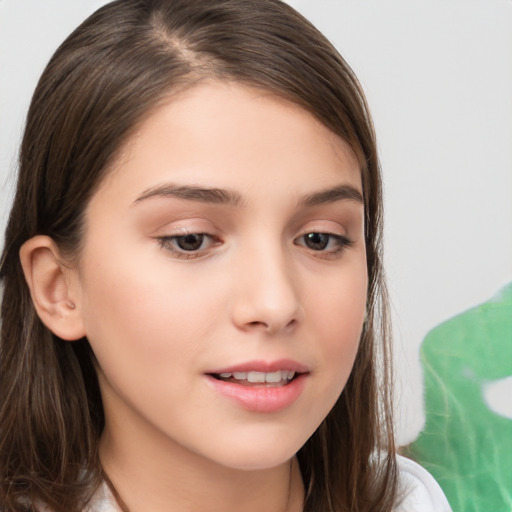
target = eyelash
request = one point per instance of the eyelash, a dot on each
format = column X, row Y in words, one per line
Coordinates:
column 341, row 243
column 171, row 244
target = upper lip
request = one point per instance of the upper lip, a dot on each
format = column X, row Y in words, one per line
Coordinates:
column 263, row 366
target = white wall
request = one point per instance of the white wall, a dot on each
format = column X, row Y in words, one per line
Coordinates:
column 438, row 76
column 30, row 30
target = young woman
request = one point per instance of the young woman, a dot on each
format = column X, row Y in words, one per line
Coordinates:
column 194, row 307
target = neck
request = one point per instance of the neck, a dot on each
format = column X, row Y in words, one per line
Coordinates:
column 176, row 480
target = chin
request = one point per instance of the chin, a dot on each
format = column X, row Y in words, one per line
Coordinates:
column 264, row 451
column 256, row 461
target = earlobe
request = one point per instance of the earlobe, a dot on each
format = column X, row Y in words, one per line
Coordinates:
column 49, row 282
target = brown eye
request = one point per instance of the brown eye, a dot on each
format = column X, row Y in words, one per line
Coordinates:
column 189, row 245
column 325, row 245
column 190, row 242
column 316, row 241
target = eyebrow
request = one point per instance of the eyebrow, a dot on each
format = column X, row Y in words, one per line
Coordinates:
column 193, row 193
column 331, row 195
column 232, row 198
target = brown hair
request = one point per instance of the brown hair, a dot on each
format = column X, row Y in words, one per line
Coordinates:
column 109, row 74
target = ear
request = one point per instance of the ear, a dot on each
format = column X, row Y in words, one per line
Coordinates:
column 51, row 285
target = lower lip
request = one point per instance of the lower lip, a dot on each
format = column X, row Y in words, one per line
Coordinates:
column 260, row 398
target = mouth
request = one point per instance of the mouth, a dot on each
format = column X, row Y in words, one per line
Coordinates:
column 262, row 387
column 276, row 378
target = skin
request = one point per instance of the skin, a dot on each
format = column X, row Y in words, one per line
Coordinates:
column 160, row 318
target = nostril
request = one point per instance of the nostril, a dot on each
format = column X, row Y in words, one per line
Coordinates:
column 273, row 327
column 257, row 323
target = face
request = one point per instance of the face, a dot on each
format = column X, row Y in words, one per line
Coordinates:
column 222, row 281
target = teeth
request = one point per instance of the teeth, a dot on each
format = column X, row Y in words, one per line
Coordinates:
column 275, row 376
column 260, row 377
column 256, row 377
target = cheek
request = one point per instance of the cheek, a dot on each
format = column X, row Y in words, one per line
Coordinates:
column 339, row 318
column 134, row 310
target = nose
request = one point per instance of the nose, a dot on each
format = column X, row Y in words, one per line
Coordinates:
column 266, row 294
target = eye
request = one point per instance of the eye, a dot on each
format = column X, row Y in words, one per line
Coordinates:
column 189, row 245
column 327, row 243
column 190, row 242
column 317, row 241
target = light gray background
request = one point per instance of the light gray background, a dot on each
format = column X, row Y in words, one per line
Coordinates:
column 438, row 77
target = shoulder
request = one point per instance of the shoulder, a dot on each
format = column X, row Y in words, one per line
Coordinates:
column 418, row 490
column 102, row 501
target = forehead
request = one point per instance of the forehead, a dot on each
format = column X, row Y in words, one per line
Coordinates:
column 224, row 131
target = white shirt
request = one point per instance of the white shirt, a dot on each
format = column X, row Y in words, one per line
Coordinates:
column 419, row 492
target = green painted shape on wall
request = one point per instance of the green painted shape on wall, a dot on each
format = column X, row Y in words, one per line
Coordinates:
column 465, row 445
